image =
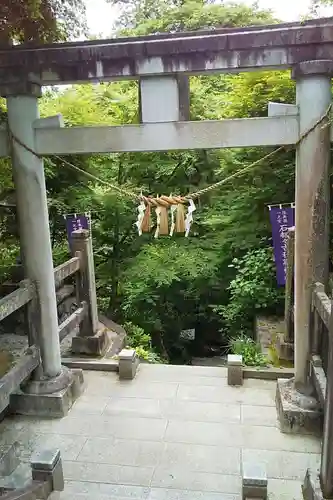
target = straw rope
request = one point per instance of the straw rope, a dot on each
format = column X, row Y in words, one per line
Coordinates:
column 167, row 201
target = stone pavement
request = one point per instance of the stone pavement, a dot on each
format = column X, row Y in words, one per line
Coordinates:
column 173, row 433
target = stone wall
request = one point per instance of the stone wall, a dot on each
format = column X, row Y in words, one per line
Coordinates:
column 267, row 329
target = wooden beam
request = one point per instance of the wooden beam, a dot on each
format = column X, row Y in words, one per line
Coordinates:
column 17, row 299
column 66, row 269
column 166, row 136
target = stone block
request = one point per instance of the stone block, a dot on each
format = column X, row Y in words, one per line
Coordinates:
column 95, row 345
column 100, row 365
column 318, row 379
column 235, row 369
column 311, row 486
column 297, row 413
column 56, row 404
column 254, row 481
column 47, row 466
column 285, row 350
column 128, row 364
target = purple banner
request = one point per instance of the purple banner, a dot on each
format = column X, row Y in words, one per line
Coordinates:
column 281, row 219
column 75, row 222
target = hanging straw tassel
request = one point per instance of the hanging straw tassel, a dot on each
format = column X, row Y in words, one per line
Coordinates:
column 180, row 218
column 146, row 222
column 141, row 214
column 164, row 223
column 158, row 221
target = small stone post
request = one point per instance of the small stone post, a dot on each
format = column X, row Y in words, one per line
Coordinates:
column 235, row 369
column 128, row 364
column 46, row 466
column 86, row 286
column 254, row 482
column 92, row 339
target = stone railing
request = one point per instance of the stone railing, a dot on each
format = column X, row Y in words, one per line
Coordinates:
column 320, row 324
column 84, row 318
column 25, row 295
column 66, row 298
column 321, row 370
column 47, row 477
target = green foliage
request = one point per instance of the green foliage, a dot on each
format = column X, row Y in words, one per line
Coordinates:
column 249, row 350
column 161, row 290
column 251, row 291
column 41, row 20
column 187, row 16
column 167, row 285
column 9, row 252
column 140, row 341
column 136, row 336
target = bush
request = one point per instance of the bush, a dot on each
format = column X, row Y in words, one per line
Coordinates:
column 253, row 289
column 249, row 349
column 140, row 341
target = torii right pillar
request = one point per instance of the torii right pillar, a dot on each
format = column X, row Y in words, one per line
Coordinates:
column 297, row 407
column 313, row 97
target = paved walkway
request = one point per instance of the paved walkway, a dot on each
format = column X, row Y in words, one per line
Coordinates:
column 173, row 433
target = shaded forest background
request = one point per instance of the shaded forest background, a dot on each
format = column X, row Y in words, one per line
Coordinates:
column 223, row 275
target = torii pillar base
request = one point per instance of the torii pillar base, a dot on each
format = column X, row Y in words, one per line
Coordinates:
column 298, row 413
column 48, row 398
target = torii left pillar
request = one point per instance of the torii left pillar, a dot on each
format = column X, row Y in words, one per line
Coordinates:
column 28, row 173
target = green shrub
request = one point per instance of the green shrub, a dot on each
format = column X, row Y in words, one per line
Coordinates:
column 140, row 341
column 252, row 290
column 249, row 349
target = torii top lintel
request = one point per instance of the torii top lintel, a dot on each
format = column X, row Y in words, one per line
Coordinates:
column 278, row 46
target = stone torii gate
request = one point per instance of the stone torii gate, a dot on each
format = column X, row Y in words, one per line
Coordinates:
column 162, row 64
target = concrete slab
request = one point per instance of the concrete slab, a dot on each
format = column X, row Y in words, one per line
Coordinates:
column 281, row 489
column 32, row 442
column 121, row 452
column 105, row 473
column 182, row 373
column 107, row 490
column 90, row 405
column 151, row 408
column 177, row 477
column 201, row 458
column 259, row 415
column 279, row 464
column 206, row 393
column 172, row 433
column 174, row 494
column 198, row 412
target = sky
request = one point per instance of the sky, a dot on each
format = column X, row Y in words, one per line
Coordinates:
column 101, row 15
